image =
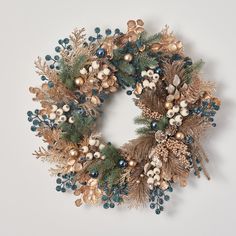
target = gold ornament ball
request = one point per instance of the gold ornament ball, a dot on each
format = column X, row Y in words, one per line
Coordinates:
column 168, row 105
column 132, row 163
column 73, row 153
column 179, row 135
column 142, row 175
column 138, row 181
column 79, row 81
column 128, row 57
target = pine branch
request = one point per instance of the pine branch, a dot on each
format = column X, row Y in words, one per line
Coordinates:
column 109, row 171
column 190, row 70
column 70, row 72
column 75, row 132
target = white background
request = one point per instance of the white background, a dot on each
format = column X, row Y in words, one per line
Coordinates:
column 29, row 204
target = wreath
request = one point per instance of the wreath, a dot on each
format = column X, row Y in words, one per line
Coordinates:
column 176, row 105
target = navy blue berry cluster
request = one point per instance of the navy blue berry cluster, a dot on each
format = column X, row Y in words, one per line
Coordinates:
column 66, row 182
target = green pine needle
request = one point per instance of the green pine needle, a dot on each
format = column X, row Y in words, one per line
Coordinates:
column 75, row 132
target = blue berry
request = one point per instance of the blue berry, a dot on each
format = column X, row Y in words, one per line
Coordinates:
column 213, row 124
column 63, row 189
column 160, row 201
column 36, row 111
column 56, row 58
column 48, row 57
column 66, row 40
column 152, row 205
column 33, row 128
column 43, row 78
column 129, row 92
column 97, row 30
column 117, row 31
column 99, row 36
column 157, row 211
column 36, row 122
column 30, row 119
column 58, row 181
column 170, row 189
column 108, row 31
column 167, row 198
column 104, row 198
column 51, row 66
column 69, row 47
column 57, row 49
column 50, row 84
column 29, row 113
column 60, row 41
column 73, row 187
column 106, row 205
column 58, row 188
column 91, row 39
column 112, row 205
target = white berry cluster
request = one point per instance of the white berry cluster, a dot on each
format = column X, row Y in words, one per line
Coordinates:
column 177, row 112
column 58, row 114
column 150, row 80
column 152, row 171
column 92, row 150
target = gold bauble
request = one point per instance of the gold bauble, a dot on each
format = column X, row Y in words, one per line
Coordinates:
column 73, row 153
column 79, row 81
column 142, row 175
column 138, row 181
column 168, row 105
column 132, row 163
column 179, row 45
column 179, row 135
column 128, row 57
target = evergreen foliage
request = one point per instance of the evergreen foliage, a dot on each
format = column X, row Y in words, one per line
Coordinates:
column 194, row 68
column 109, row 171
column 75, row 132
column 69, row 72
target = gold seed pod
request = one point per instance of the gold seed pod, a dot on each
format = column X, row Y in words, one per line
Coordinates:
column 140, row 22
column 78, row 202
column 138, row 89
column 113, row 89
column 131, row 24
column 105, row 84
column 95, row 100
column 73, row 152
column 141, row 49
column 71, row 161
column 179, row 45
column 155, row 47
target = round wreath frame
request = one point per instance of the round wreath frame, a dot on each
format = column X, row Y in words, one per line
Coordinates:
column 177, row 106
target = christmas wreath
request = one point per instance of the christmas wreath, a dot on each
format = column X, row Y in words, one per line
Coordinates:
column 176, row 105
